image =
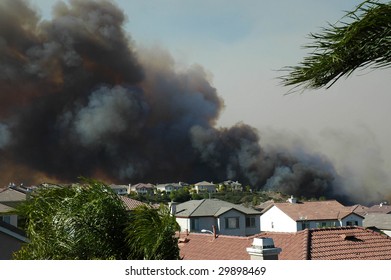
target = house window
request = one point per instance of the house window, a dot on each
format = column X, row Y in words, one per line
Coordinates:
column 305, row 225
column 6, row 219
column 352, row 223
column 250, row 222
column 325, row 224
column 194, row 224
column 321, row 224
column 232, row 222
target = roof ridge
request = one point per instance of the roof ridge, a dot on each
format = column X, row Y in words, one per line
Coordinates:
column 224, row 236
column 202, row 201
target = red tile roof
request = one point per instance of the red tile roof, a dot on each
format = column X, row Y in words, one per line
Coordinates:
column 359, row 209
column 130, row 203
column 345, row 243
column 201, row 246
column 381, row 208
column 293, row 245
column 349, row 244
column 315, row 210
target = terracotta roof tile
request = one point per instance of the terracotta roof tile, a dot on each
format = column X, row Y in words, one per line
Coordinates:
column 381, row 208
column 206, row 247
column 314, row 210
column 349, row 243
column 130, row 203
column 345, row 243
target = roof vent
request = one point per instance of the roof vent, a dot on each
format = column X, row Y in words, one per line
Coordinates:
column 349, row 237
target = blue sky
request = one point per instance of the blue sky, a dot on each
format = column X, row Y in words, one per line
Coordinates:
column 242, row 44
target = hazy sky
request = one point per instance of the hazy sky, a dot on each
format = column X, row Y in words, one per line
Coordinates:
column 243, row 44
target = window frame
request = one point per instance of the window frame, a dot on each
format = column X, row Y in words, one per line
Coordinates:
column 251, row 222
column 228, row 223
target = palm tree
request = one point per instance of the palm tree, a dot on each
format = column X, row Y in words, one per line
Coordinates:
column 362, row 38
column 157, row 241
column 83, row 221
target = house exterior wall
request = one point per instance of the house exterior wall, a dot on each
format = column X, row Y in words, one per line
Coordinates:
column 10, row 219
column 205, row 188
column 206, row 223
column 352, row 218
column 240, row 231
column 10, row 242
column 168, row 188
column 276, row 220
column 317, row 224
column 184, row 223
column 8, row 245
column 120, row 191
column 256, row 229
column 199, row 222
column 388, row 232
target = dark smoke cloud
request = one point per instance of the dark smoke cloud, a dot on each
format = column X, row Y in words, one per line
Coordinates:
column 78, row 99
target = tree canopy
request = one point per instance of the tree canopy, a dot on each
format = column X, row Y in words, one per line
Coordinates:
column 89, row 221
column 362, row 38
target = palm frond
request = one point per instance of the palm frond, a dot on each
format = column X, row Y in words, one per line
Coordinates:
column 361, row 39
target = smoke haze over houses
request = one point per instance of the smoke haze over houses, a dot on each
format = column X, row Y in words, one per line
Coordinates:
column 79, row 97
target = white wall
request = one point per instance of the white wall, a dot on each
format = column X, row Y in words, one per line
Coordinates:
column 276, row 220
column 352, row 217
column 184, row 223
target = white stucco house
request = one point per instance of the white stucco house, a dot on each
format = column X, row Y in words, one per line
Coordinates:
column 214, row 214
column 142, row 188
column 204, row 186
column 120, row 189
column 231, row 185
column 170, row 187
column 294, row 216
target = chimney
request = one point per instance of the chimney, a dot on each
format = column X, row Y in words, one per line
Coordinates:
column 292, row 199
column 172, row 206
column 263, row 249
column 214, row 231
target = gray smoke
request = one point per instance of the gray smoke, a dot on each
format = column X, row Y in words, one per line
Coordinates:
column 77, row 98
column 4, row 135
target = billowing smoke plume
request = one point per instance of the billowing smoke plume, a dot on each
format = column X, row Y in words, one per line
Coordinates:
column 77, row 99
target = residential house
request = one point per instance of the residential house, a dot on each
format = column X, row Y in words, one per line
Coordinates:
column 120, row 189
column 294, row 216
column 264, row 205
column 130, row 203
column 204, row 186
column 170, row 187
column 231, row 185
column 9, row 199
column 342, row 243
column 358, row 209
column 142, row 188
column 378, row 221
column 216, row 215
column 380, row 208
